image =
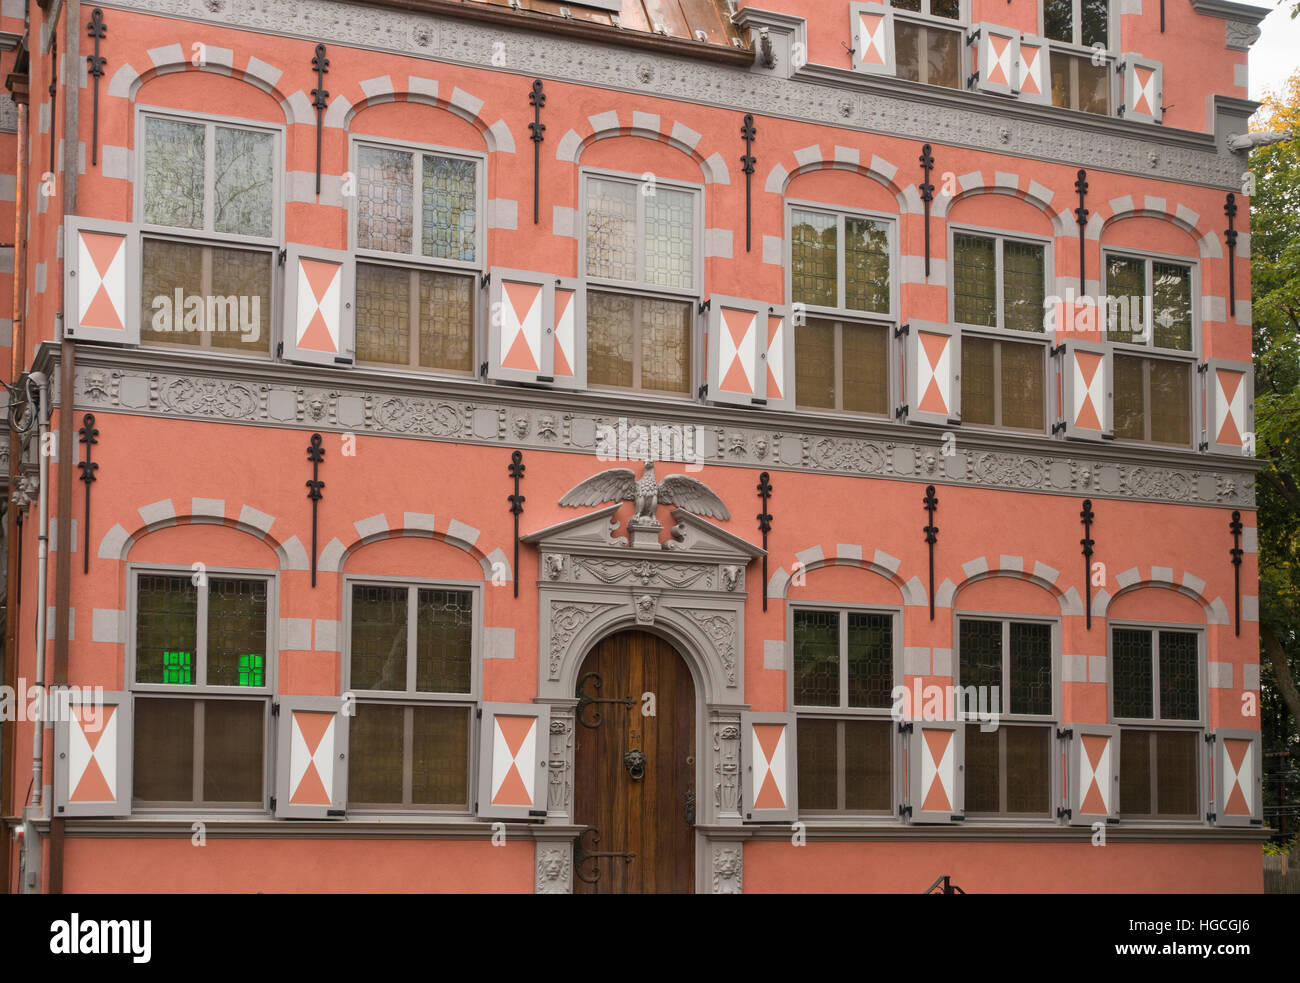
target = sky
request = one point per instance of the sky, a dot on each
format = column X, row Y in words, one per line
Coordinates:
column 1276, row 55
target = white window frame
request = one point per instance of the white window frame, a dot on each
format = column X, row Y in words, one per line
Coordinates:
column 923, row 18
column 1076, row 47
column 840, row 311
column 1148, row 259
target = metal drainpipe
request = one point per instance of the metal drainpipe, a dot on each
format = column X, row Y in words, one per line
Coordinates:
column 42, row 554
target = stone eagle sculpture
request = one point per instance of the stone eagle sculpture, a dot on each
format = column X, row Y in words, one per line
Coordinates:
column 621, row 485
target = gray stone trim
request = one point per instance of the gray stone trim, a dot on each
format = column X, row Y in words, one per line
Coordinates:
column 373, row 526
column 295, row 555
column 249, row 516
column 54, row 536
column 836, row 97
column 774, row 655
column 1097, row 669
column 1250, row 676
column 943, row 664
column 1249, row 607
column 108, row 626
column 159, row 514
column 50, row 623
column 1074, row 668
column 295, row 634
column 212, row 507
column 916, row 661
column 1219, row 675
column 774, row 250
column 498, row 643
column 328, row 635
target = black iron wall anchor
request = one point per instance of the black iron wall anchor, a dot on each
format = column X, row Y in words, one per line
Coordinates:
column 89, row 437
column 54, row 91
column 764, row 524
column 537, row 99
column 1087, row 543
column 96, row 31
column 927, row 196
column 1081, row 219
column 1230, row 237
column 516, row 470
column 320, row 101
column 931, row 536
column 315, row 454
column 1235, row 527
column 747, row 163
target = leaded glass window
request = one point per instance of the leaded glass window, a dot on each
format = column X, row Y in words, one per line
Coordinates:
column 641, row 343
column 1080, row 79
column 999, row 282
column 1153, row 400
column 927, row 49
column 1155, row 674
column 206, row 296
column 843, row 658
column 845, row 766
column 1003, row 383
column 444, row 228
column 1149, row 302
column 415, row 318
column 841, row 262
column 842, row 366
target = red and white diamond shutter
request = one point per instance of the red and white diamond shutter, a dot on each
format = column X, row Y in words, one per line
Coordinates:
column 1229, row 402
column 999, row 59
column 1093, row 779
column 936, row 771
column 1086, row 390
column 512, row 760
column 312, row 758
column 319, row 306
column 519, row 321
column 565, row 356
column 1033, row 72
column 1238, row 781
column 769, row 758
column 871, row 30
column 92, row 754
column 1142, row 84
column 751, row 353
column 101, row 300
column 932, row 373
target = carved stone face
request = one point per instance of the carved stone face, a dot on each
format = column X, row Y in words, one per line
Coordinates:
column 317, row 408
column 552, row 866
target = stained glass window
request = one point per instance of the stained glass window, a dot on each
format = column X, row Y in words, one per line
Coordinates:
column 975, row 281
column 817, row 658
column 845, row 766
column 385, row 199
column 638, row 343
column 166, row 628
column 174, row 170
column 670, row 239
column 236, row 630
column 611, row 229
column 243, row 199
column 1030, row 671
column 444, row 632
column 378, row 637
column 818, row 240
column 814, row 266
column 870, row 657
column 980, row 658
column 1179, row 676
column 1152, row 399
column 1131, row 673
column 449, row 201
column 1159, row 773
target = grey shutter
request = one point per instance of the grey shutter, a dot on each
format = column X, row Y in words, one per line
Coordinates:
column 769, row 758
column 520, row 324
column 1238, row 781
column 871, row 30
column 745, row 336
column 319, row 306
column 931, row 389
column 101, row 299
column 312, row 758
column 937, row 771
column 1087, row 390
column 92, row 753
column 512, row 760
column 1229, row 407
column 1141, row 83
column 565, row 350
column 1034, row 71
column 1092, row 782
column 999, row 59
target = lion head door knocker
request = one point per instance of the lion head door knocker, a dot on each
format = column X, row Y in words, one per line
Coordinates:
column 634, row 762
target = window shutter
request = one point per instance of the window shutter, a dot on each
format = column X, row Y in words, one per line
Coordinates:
column 1238, row 782
column 999, row 59
column 770, row 762
column 519, row 318
column 319, row 306
column 776, row 358
column 936, row 776
column 1093, row 762
column 1033, row 73
column 1142, row 85
column 92, row 754
column 1087, row 390
column 931, row 391
column 512, row 760
column 101, row 300
column 871, row 28
column 751, row 353
column 1229, row 402
column 565, row 354
column 312, row 758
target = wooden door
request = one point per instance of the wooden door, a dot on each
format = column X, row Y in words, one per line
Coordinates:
column 651, row 816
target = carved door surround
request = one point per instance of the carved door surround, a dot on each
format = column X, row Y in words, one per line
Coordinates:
column 691, row 590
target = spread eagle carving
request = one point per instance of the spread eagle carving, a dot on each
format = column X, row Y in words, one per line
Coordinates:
column 621, row 485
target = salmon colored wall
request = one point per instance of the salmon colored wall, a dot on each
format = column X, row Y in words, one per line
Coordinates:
column 843, row 188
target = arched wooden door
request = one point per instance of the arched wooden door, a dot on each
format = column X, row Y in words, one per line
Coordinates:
column 643, row 807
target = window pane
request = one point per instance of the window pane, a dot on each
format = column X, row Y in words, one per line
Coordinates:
column 865, row 369
column 1135, row 772
column 239, row 310
column 244, row 181
column 1128, row 402
column 1171, row 399
column 609, row 339
column 232, row 750
column 818, row 752
column 912, row 5
column 814, row 258
column 975, row 278
column 814, row 363
column 440, row 756
column 1179, row 682
column 385, row 199
column 236, row 632
column 1172, row 305
column 449, row 208
column 378, row 637
column 981, row 664
column 1126, row 285
column 1058, row 19
column 983, row 770
column 670, row 239
column 611, row 229
column 908, row 48
column 817, row 658
column 376, row 742
column 1096, row 22
column 665, row 327
column 1031, row 668
column 383, row 314
column 164, row 750
column 943, row 57
column 1022, row 386
column 1131, row 651
column 946, row 8
column 166, row 630
column 870, row 660
column 1094, row 85
column 1029, row 769
column 444, row 641
column 446, row 321
column 867, row 757
column 977, row 391
column 169, row 268
column 866, row 265
column 1176, row 778
column 173, row 173
column 1023, row 285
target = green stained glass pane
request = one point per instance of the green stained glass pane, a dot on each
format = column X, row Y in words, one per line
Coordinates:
column 251, row 670
column 975, row 277
column 166, row 628
column 178, row 667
